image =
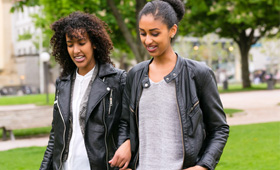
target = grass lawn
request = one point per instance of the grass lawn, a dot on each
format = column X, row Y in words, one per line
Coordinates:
column 24, row 133
column 250, row 147
column 22, row 158
column 38, row 99
column 238, row 87
column 230, row 112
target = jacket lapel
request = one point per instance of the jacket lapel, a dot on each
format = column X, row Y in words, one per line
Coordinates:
column 99, row 88
column 64, row 97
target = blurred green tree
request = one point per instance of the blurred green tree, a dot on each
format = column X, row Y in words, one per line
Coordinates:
column 243, row 21
column 120, row 15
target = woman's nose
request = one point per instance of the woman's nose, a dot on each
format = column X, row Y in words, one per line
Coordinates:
column 148, row 40
column 76, row 49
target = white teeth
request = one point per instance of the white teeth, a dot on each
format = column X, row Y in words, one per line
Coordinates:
column 151, row 48
column 79, row 57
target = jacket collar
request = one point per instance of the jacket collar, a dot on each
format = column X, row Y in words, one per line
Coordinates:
column 98, row 93
column 104, row 70
column 168, row 78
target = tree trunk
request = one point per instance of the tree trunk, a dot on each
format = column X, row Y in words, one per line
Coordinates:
column 133, row 43
column 244, row 46
column 245, row 67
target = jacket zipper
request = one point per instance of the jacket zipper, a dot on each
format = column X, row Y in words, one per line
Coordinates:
column 137, row 106
column 180, row 117
column 106, row 147
column 63, row 132
column 193, row 107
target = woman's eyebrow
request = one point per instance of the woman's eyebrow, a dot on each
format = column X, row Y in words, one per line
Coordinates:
column 149, row 29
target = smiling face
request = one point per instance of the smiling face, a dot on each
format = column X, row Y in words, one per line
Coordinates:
column 155, row 35
column 81, row 51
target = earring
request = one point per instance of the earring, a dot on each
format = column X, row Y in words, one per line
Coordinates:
column 172, row 36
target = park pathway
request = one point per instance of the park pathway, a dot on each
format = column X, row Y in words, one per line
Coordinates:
column 258, row 106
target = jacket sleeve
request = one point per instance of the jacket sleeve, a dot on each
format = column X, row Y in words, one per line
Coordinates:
column 125, row 116
column 47, row 160
column 216, row 127
column 47, row 163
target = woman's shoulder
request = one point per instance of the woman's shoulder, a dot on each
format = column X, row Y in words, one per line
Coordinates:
column 139, row 67
column 197, row 67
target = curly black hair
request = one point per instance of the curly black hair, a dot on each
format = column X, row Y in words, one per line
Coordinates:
column 84, row 22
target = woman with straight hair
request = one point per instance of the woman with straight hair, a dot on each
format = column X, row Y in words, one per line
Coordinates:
column 172, row 113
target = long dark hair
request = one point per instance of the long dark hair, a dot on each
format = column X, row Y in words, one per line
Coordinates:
column 78, row 21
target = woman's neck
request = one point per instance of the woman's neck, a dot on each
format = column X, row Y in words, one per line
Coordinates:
column 168, row 58
column 162, row 66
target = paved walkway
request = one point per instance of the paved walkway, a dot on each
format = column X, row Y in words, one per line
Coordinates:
column 258, row 106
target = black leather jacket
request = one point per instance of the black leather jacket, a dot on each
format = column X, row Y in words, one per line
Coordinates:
column 102, row 119
column 204, row 127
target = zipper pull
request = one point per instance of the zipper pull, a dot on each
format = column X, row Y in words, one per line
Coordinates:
column 110, row 101
column 57, row 94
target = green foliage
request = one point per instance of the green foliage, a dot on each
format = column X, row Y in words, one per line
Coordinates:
column 243, row 21
column 54, row 10
column 230, row 18
column 20, row 4
column 38, row 99
column 25, row 36
column 252, row 147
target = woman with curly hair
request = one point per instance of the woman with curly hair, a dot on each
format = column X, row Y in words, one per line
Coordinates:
column 88, row 97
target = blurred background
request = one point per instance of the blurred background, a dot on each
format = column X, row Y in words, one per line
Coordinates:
column 238, row 39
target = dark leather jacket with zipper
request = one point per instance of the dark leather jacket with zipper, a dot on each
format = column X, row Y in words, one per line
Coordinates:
column 203, row 122
column 101, row 121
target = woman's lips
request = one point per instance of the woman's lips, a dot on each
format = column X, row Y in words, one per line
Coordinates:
column 151, row 48
column 79, row 58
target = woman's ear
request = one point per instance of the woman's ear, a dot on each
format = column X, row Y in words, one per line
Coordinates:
column 173, row 31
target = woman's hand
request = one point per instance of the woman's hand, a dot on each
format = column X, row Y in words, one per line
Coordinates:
column 122, row 156
column 196, row 168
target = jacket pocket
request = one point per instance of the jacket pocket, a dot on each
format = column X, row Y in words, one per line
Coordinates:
column 195, row 120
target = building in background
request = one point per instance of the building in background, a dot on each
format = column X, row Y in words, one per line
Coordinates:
column 8, row 69
column 19, row 58
column 24, row 37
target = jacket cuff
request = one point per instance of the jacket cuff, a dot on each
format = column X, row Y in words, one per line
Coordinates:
column 122, row 139
column 207, row 161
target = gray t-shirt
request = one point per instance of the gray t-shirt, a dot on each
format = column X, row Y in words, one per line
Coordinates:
column 160, row 133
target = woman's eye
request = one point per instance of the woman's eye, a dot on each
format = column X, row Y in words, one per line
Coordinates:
column 82, row 43
column 69, row 45
column 155, row 34
column 143, row 34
